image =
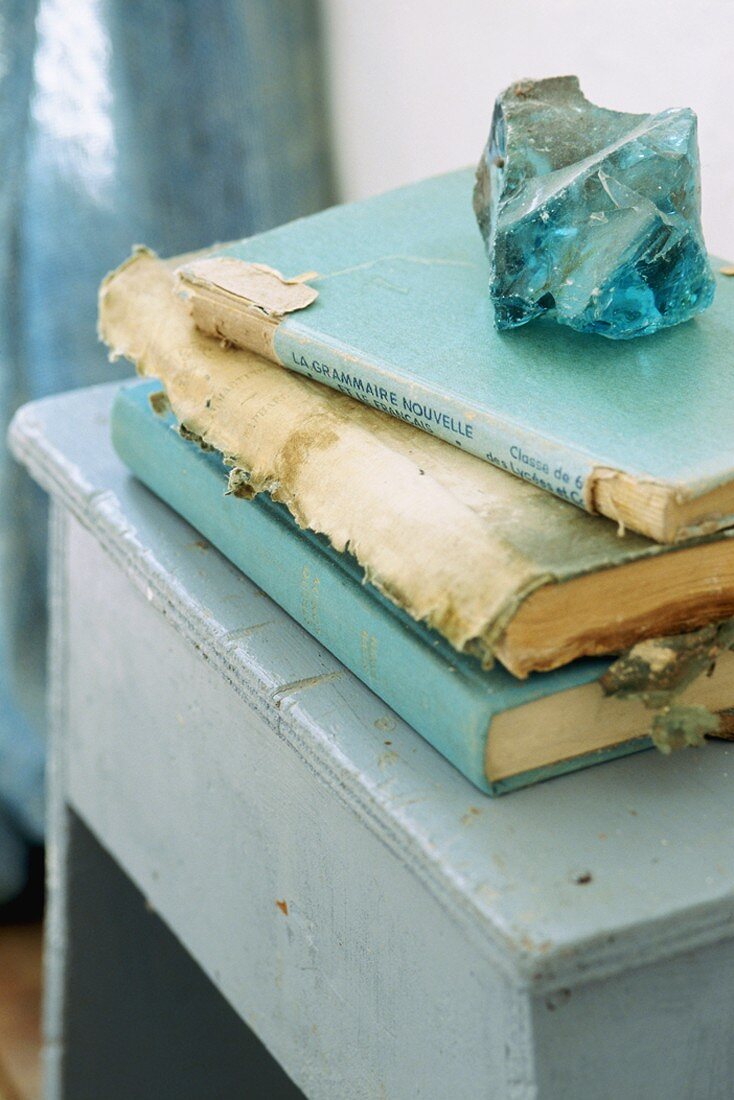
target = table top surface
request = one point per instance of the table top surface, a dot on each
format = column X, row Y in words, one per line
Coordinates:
column 629, row 861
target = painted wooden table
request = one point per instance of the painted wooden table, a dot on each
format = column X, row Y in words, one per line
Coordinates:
column 219, row 781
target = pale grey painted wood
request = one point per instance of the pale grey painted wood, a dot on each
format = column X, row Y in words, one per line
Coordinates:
column 437, row 943
column 656, row 1031
column 57, row 847
column 143, row 1020
column 217, row 819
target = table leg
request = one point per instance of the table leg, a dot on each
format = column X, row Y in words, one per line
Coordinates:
column 140, row 1017
column 128, row 1012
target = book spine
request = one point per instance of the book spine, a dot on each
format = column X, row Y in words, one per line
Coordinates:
column 542, row 461
column 445, row 700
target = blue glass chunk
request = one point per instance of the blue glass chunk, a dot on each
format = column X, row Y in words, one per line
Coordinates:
column 593, row 216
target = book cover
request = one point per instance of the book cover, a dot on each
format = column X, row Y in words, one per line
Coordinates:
column 386, row 300
column 499, row 567
column 502, row 733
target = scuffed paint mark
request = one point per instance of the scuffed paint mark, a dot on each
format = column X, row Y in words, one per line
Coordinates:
column 557, row 999
column 233, row 636
column 304, row 685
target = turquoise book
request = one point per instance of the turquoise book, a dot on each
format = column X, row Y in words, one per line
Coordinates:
column 387, row 301
column 501, row 732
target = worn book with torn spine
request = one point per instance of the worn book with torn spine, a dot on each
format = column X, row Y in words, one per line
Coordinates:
column 499, row 567
column 386, row 300
column 502, row 733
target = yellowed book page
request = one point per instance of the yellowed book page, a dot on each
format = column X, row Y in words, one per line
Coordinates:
column 453, row 540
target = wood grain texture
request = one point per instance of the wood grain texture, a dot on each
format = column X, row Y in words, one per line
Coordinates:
column 20, row 1007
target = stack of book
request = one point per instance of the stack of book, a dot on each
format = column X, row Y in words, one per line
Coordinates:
column 476, row 524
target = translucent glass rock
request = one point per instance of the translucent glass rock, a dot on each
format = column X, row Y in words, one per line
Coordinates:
column 591, row 215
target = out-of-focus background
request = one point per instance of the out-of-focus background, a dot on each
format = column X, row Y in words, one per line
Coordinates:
column 182, row 122
column 411, row 84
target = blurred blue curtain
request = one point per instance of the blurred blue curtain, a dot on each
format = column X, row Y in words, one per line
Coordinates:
column 170, row 122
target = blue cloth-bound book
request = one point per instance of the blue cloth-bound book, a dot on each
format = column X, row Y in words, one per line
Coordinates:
column 387, row 300
column 502, row 733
